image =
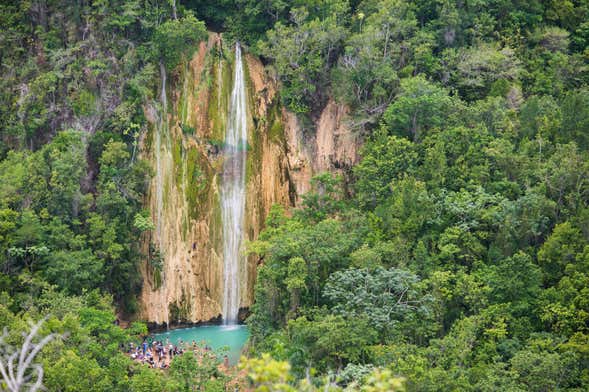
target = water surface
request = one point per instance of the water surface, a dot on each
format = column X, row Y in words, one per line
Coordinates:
column 232, row 337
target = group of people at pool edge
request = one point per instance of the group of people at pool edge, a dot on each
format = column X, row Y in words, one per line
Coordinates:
column 159, row 355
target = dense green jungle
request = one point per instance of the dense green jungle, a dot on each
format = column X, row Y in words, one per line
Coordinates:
column 452, row 255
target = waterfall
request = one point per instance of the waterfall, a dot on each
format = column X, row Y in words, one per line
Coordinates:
column 163, row 163
column 233, row 193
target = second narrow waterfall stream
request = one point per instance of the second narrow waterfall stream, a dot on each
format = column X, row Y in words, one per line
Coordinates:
column 233, row 193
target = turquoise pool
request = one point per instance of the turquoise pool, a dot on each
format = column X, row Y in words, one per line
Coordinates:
column 232, row 337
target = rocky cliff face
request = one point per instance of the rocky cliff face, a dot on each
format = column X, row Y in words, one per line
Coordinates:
column 330, row 146
column 183, row 269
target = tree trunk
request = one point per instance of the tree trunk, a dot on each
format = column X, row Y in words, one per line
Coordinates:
column 174, row 13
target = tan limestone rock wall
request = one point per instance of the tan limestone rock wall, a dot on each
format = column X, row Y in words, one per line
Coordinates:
column 185, row 148
column 184, row 236
column 330, row 147
column 187, row 163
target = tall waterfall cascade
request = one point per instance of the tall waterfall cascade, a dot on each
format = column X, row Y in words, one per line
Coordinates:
column 203, row 205
column 233, row 193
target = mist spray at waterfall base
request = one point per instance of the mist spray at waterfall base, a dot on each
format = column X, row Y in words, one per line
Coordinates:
column 233, row 193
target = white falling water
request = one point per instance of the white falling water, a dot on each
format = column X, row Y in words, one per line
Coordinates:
column 163, row 160
column 233, row 192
